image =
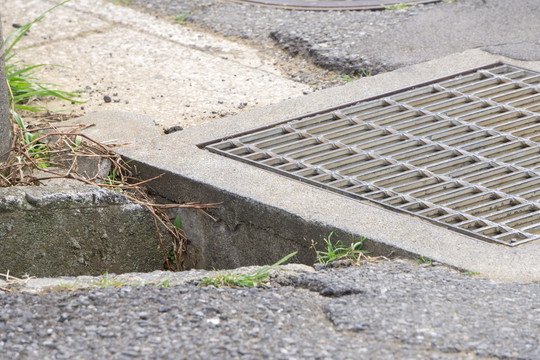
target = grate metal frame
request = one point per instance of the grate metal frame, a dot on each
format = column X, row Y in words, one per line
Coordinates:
column 460, row 151
column 325, row 5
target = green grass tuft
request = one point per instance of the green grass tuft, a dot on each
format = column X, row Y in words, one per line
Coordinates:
column 107, row 281
column 424, row 260
column 338, row 250
column 181, row 19
column 235, row 279
column 397, row 6
column 24, row 86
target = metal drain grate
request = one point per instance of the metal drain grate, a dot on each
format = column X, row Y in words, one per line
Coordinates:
column 335, row 4
column 462, row 152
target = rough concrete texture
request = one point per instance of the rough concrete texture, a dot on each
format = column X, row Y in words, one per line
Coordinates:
column 260, row 204
column 74, row 230
column 5, row 118
column 115, row 127
column 360, row 42
column 144, row 65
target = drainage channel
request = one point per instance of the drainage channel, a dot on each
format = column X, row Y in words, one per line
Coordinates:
column 335, row 4
column 461, row 152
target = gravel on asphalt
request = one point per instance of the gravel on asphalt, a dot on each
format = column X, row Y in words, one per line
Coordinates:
column 361, row 43
column 383, row 310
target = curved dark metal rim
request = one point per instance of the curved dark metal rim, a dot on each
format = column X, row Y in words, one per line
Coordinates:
column 334, row 4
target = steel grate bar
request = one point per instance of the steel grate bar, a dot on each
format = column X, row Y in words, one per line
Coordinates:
column 461, row 152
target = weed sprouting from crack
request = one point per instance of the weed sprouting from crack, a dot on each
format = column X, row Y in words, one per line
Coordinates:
column 339, row 251
column 164, row 283
column 398, row 6
column 350, row 78
column 236, row 279
column 73, row 285
column 121, row 2
column 107, row 281
column 424, row 260
column 181, row 19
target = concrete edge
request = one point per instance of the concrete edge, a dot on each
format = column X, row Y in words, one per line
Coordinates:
column 155, row 278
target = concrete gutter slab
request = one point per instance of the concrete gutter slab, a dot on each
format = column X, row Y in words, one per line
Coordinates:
column 265, row 216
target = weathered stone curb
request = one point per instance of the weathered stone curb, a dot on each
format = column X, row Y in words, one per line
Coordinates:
column 156, row 278
column 74, row 230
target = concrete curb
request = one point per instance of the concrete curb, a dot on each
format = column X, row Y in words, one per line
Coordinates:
column 59, row 230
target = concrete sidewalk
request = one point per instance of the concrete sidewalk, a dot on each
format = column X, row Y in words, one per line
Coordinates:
column 144, row 64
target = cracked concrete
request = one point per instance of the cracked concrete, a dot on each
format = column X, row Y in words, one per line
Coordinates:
column 74, row 229
column 179, row 76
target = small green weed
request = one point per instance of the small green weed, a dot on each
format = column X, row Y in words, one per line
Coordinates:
column 107, row 281
column 347, row 78
column 164, row 284
column 121, row 2
column 114, row 180
column 171, row 254
column 235, row 279
column 68, row 285
column 177, row 222
column 424, row 260
column 78, row 142
column 338, row 250
column 472, row 273
column 397, row 6
column 181, row 19
column 38, row 151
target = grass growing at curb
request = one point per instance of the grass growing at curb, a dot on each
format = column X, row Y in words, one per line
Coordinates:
column 23, row 85
column 338, row 250
column 164, row 283
column 424, row 260
column 349, row 78
column 181, row 19
column 107, row 281
column 69, row 285
column 397, row 6
column 236, row 279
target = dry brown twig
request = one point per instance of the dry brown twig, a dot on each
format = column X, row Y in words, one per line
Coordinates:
column 56, row 154
column 12, row 281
